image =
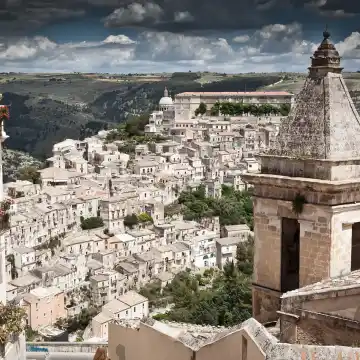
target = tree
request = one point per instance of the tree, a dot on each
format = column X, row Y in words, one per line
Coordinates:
column 201, row 110
column 285, row 109
column 227, row 302
column 131, row 220
column 245, row 256
column 30, row 173
column 77, row 322
column 239, row 109
column 30, row 334
column 215, row 109
column 234, row 207
column 91, row 222
column 12, row 322
column 145, row 217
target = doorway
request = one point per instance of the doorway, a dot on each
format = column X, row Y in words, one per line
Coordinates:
column 290, row 254
column 355, row 247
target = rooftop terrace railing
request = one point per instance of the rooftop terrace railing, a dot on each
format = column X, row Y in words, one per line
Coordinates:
column 50, row 347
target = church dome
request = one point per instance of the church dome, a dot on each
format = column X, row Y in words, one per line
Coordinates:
column 166, row 100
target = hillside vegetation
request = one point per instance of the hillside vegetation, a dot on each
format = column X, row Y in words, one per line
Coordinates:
column 14, row 162
column 233, row 208
column 218, row 298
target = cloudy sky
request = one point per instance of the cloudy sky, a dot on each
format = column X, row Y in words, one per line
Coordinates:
column 123, row 36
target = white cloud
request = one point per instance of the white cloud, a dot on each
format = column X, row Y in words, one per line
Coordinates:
column 28, row 48
column 280, row 39
column 350, row 47
column 183, row 16
column 273, row 48
column 135, row 13
column 118, row 39
column 175, row 47
column 41, row 53
column 241, row 39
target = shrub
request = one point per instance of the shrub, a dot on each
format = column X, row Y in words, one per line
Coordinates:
column 145, row 217
column 91, row 223
column 131, row 220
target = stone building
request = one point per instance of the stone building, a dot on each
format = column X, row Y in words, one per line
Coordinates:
column 306, row 198
column 150, row 339
column 186, row 103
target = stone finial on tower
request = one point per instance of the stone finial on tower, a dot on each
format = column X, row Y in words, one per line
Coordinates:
column 326, row 58
column 166, row 92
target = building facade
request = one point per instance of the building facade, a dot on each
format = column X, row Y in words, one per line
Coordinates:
column 306, row 202
column 186, row 103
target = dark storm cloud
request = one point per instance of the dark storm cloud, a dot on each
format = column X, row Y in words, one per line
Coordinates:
column 201, row 14
column 20, row 16
column 342, row 7
column 334, row 8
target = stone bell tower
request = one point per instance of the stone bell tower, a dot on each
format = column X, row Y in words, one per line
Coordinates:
column 3, row 137
column 307, row 196
column 3, row 115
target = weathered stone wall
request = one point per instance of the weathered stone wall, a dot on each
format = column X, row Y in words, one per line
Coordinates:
column 324, row 195
column 315, row 250
column 343, row 218
column 267, row 233
column 326, row 331
column 275, row 350
column 231, row 346
column 308, row 168
column 342, row 302
column 315, row 241
column 315, row 246
column 265, row 304
column 267, row 254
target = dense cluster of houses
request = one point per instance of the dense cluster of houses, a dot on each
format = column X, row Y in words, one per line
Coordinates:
column 69, row 243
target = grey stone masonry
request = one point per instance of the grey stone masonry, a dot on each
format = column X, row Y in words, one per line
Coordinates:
column 323, row 124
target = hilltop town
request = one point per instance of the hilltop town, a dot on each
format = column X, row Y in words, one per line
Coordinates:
column 100, row 221
column 96, row 246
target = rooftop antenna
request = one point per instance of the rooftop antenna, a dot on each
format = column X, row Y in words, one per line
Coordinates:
column 326, row 32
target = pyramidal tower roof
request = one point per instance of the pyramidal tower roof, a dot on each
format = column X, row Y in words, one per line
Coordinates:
column 323, row 123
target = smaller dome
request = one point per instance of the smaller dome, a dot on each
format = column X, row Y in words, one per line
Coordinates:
column 165, row 101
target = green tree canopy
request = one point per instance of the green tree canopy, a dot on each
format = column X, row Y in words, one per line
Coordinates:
column 131, row 220
column 225, row 303
column 238, row 109
column 144, row 217
column 201, row 109
column 234, row 207
column 30, row 173
column 245, row 256
column 91, row 222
